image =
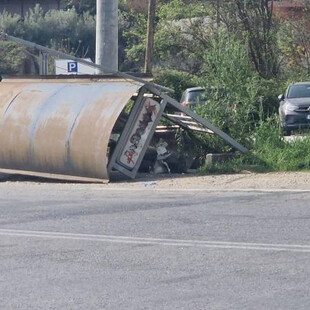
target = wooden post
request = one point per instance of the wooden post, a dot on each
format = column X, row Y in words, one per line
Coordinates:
column 22, row 8
column 150, row 37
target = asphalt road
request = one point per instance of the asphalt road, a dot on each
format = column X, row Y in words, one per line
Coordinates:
column 75, row 246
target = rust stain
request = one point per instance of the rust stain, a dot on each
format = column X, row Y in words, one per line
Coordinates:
column 60, row 126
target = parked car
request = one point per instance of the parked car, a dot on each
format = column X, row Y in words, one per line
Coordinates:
column 191, row 97
column 294, row 109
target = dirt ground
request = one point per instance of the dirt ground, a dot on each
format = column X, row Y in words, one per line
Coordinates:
column 241, row 181
column 246, row 180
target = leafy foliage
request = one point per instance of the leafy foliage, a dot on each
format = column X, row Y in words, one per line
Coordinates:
column 133, row 37
column 294, row 41
column 233, row 88
column 176, row 80
column 82, row 6
column 11, row 57
column 64, row 30
column 183, row 34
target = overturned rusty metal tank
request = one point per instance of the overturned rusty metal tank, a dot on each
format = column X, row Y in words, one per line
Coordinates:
column 60, row 127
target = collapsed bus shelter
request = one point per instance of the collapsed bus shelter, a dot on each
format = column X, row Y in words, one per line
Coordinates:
column 82, row 127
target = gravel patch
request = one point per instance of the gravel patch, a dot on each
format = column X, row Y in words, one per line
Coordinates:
column 255, row 181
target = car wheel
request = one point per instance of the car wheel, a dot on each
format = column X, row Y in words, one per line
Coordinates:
column 287, row 132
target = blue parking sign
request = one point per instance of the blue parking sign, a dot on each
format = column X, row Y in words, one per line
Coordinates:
column 73, row 66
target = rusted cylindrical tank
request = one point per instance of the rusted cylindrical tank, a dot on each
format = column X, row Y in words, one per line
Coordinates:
column 60, row 126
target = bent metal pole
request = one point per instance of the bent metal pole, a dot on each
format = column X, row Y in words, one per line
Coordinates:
column 6, row 37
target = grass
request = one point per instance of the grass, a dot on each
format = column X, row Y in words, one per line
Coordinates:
column 269, row 152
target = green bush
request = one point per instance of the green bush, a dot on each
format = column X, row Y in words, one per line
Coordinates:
column 66, row 30
column 11, row 57
column 177, row 80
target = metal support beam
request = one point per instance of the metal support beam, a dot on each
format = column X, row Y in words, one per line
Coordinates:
column 200, row 120
column 43, row 63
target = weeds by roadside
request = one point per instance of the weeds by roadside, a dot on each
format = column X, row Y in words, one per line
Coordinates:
column 269, row 152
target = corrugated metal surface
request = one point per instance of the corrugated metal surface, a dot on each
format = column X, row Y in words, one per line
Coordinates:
column 60, row 126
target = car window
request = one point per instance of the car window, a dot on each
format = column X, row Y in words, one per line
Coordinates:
column 299, row 91
column 195, row 96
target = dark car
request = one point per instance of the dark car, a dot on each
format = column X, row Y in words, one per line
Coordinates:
column 191, row 97
column 294, row 107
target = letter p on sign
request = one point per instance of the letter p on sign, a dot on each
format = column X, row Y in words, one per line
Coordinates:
column 73, row 66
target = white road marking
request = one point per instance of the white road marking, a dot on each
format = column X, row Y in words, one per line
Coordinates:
column 157, row 241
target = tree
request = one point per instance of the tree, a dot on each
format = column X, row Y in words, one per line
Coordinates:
column 82, row 6
column 11, row 57
column 64, row 30
column 252, row 21
column 294, row 39
column 257, row 19
column 132, row 27
column 183, row 33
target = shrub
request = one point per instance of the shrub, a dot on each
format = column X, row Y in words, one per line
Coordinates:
column 270, row 152
column 177, row 80
column 11, row 57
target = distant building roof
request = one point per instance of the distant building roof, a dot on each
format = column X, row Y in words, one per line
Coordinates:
column 286, row 4
column 289, row 9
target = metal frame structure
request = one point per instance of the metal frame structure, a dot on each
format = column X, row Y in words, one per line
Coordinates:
column 115, row 162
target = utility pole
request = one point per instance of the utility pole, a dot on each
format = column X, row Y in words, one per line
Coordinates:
column 150, row 37
column 107, row 34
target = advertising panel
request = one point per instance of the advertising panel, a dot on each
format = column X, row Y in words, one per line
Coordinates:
column 140, row 132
